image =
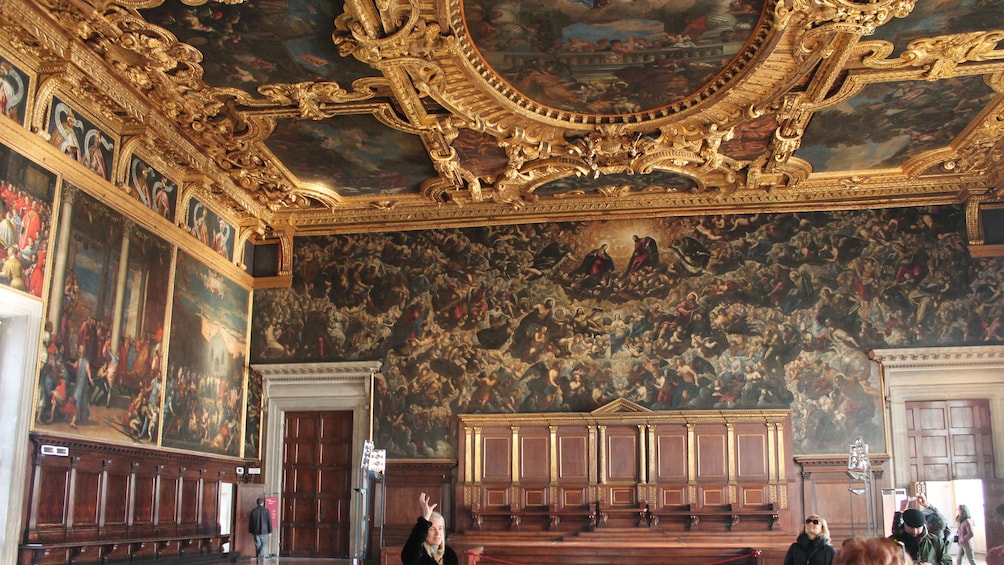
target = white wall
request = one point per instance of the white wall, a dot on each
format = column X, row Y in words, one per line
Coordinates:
column 20, row 332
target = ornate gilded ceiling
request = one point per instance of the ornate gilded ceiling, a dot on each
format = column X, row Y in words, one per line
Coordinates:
column 305, row 117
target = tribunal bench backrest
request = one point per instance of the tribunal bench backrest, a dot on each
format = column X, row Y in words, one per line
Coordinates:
column 623, row 465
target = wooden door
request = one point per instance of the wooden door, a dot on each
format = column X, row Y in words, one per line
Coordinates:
column 316, row 485
column 950, row 440
column 246, row 500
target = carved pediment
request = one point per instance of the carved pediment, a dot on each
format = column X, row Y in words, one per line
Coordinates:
column 619, row 406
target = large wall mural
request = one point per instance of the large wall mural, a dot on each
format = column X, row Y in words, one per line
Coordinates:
column 715, row 312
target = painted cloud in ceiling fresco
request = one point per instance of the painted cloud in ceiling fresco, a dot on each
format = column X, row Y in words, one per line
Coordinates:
column 606, row 57
column 887, row 124
column 262, row 41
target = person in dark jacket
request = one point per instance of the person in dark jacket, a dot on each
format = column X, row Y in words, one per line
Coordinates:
column 427, row 543
column 260, row 526
column 813, row 545
column 910, row 528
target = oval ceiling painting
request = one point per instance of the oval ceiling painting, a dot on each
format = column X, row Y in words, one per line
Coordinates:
column 611, row 57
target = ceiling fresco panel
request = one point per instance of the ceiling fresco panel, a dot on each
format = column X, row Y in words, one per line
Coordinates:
column 610, row 57
column 656, row 180
column 887, row 124
column 355, row 155
column 942, row 18
column 751, row 139
column 479, row 153
column 251, row 43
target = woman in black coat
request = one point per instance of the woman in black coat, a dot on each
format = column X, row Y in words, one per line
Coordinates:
column 427, row 543
column 813, row 545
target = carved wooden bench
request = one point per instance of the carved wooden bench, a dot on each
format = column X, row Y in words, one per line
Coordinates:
column 552, row 514
column 728, row 512
column 111, row 550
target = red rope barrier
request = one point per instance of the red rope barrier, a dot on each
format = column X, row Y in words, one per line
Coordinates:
column 495, row 559
column 754, row 553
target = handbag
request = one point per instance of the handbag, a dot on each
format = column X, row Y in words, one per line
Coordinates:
column 955, row 538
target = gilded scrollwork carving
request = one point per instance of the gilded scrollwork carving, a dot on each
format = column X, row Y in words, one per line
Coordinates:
column 937, row 57
column 315, row 100
column 855, row 17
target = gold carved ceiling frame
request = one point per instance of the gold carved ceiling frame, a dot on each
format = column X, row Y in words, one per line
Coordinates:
column 805, row 57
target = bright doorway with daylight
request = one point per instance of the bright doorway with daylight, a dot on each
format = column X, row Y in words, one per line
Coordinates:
column 948, row 495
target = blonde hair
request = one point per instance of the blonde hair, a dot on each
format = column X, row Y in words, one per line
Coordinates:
column 871, row 551
column 824, row 531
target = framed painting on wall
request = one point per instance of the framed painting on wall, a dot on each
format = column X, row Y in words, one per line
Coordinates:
column 26, row 195
column 152, row 188
column 206, row 363
column 80, row 138
column 210, row 229
column 101, row 372
column 15, row 87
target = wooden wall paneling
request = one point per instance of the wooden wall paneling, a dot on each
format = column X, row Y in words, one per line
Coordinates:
column 575, row 464
column 622, row 454
column 144, row 494
column 712, row 459
column 189, row 500
column 107, row 503
column 496, row 460
column 168, row 499
column 623, row 460
column 534, row 455
column 210, row 512
column 825, row 491
column 51, row 495
column 685, row 466
column 642, row 475
column 753, row 477
column 116, row 497
column 670, row 453
column 85, row 488
column 403, row 481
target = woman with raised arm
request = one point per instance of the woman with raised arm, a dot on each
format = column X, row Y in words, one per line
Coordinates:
column 427, row 543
